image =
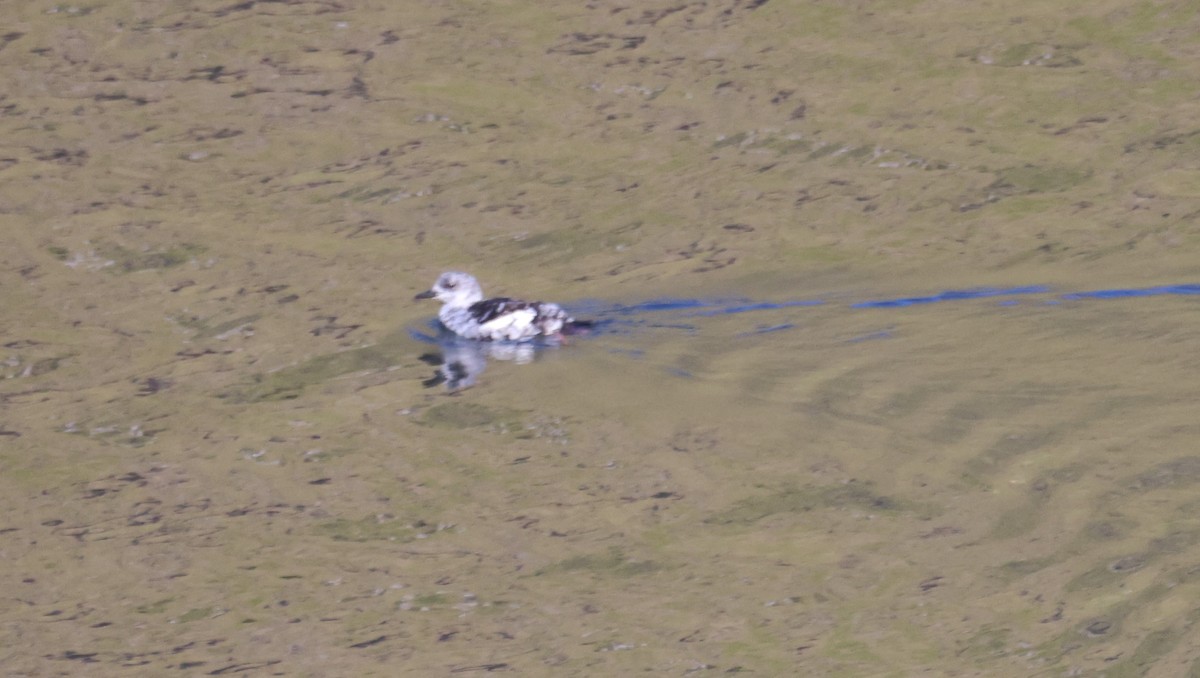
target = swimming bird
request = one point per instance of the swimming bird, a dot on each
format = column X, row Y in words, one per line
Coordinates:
column 466, row 313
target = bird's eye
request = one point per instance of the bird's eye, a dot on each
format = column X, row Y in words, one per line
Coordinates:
column 450, row 284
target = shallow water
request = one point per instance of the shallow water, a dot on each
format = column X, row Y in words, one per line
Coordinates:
column 980, row 479
column 987, row 482
column 894, row 371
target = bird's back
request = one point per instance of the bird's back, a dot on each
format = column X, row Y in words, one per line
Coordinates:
column 504, row 319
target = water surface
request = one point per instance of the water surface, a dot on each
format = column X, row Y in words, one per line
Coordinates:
column 895, row 372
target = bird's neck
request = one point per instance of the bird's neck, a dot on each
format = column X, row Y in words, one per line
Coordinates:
column 464, row 300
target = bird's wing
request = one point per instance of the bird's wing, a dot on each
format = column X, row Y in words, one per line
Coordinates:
column 513, row 324
column 489, row 309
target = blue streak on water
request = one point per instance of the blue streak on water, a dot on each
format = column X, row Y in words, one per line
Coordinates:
column 624, row 318
column 716, row 307
column 631, row 352
column 1138, row 292
column 952, row 295
column 656, row 305
column 674, row 326
column 623, row 326
column 766, row 329
column 761, row 306
column 881, row 334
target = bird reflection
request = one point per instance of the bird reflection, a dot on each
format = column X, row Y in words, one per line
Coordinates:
column 460, row 361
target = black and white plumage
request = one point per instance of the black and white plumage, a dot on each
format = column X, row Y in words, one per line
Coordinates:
column 466, row 313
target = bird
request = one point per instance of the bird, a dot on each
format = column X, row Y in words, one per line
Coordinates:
column 466, row 313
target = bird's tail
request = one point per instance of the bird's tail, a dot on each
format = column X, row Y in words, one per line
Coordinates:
column 575, row 327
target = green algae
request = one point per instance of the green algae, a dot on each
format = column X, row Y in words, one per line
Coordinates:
column 195, row 614
column 1034, row 179
column 460, row 415
column 289, row 382
column 1016, row 569
column 368, row 529
column 612, row 562
column 430, row 599
column 803, row 500
column 157, row 607
column 126, row 260
column 216, row 327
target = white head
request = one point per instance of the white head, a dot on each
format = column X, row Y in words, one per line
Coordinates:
column 454, row 288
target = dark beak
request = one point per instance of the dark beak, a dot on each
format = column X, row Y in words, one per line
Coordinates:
column 428, row 294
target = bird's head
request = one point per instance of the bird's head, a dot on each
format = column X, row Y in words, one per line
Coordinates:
column 454, row 288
